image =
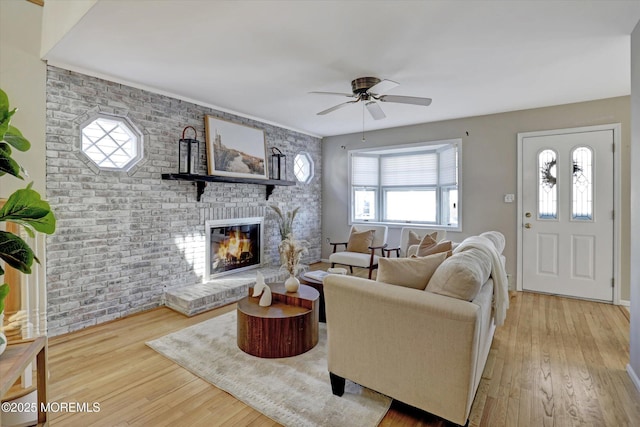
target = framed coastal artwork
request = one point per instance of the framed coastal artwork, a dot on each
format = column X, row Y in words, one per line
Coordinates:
column 235, row 150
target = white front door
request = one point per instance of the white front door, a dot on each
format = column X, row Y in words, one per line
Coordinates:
column 567, row 208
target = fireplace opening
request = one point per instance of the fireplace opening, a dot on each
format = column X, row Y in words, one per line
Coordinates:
column 233, row 245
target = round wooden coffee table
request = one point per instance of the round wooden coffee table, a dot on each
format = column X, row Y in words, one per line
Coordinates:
column 288, row 327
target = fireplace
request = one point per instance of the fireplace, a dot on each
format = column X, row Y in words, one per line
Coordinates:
column 233, row 245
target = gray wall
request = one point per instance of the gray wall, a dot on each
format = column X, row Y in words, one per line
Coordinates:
column 489, row 168
column 123, row 238
column 634, row 363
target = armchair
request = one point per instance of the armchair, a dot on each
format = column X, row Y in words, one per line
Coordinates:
column 410, row 238
column 364, row 258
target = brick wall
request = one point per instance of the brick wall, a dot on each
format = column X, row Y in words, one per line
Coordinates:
column 125, row 237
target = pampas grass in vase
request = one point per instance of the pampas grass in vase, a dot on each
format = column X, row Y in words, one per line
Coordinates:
column 291, row 252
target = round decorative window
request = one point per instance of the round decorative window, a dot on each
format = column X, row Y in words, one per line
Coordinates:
column 111, row 143
column 303, row 167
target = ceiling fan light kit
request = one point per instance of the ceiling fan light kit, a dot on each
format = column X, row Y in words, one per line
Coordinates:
column 372, row 89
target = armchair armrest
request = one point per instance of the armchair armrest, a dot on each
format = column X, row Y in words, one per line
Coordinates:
column 373, row 250
column 378, row 247
column 387, row 251
column 335, row 245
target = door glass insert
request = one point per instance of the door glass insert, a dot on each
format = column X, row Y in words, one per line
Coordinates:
column 582, row 188
column 547, row 185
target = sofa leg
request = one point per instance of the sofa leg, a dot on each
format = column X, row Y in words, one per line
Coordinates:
column 370, row 271
column 337, row 384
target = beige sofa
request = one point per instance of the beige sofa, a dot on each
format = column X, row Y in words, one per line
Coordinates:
column 421, row 348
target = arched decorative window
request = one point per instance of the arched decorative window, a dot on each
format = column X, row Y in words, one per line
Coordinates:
column 582, row 187
column 303, row 167
column 111, row 142
column 547, row 185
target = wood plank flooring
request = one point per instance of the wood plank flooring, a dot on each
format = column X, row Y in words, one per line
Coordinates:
column 555, row 362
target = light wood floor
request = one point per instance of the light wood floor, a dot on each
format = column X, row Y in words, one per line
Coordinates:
column 556, row 362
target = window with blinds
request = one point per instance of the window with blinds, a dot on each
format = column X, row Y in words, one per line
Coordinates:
column 406, row 184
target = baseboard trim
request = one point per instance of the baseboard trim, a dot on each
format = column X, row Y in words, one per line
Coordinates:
column 625, row 303
column 633, row 376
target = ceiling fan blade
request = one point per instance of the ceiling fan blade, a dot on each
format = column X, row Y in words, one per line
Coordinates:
column 375, row 110
column 336, row 107
column 383, row 86
column 414, row 100
column 349, row 95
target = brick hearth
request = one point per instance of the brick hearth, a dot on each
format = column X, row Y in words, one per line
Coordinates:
column 194, row 299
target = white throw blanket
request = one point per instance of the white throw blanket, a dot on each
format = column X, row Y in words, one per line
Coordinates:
column 499, row 275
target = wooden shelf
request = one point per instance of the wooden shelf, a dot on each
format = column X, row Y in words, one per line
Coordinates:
column 15, row 359
column 201, row 181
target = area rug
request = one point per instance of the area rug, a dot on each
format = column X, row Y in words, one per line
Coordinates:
column 293, row 391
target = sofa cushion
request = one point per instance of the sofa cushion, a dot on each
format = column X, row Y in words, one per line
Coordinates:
column 359, row 241
column 409, row 272
column 443, row 246
column 355, row 259
column 461, row 275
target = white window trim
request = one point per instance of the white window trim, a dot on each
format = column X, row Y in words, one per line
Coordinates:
column 408, row 147
column 312, row 167
column 132, row 128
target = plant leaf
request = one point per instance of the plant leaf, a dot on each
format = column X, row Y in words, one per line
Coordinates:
column 15, row 252
column 14, row 137
column 5, row 120
column 4, row 103
column 8, row 165
column 4, row 291
column 25, row 207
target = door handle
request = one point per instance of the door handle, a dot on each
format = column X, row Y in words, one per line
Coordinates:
column 527, row 225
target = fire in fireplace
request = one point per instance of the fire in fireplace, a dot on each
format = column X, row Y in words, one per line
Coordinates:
column 233, row 245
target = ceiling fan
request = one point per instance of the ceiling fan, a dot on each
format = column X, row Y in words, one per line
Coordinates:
column 369, row 90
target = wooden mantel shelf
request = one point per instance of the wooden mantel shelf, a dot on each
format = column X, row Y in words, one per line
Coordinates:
column 201, row 181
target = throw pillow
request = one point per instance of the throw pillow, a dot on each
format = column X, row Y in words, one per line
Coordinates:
column 443, row 246
column 414, row 238
column 461, row 275
column 359, row 241
column 409, row 272
column 426, row 243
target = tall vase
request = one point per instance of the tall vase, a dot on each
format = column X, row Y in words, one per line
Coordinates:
column 292, row 284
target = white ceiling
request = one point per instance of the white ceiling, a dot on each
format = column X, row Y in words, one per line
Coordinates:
column 261, row 58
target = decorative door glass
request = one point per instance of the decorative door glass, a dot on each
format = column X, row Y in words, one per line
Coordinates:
column 547, row 185
column 582, row 188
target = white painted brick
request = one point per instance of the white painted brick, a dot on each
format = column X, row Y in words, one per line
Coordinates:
column 121, row 239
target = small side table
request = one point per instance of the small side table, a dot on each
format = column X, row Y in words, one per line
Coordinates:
column 288, row 327
column 317, row 285
column 15, row 359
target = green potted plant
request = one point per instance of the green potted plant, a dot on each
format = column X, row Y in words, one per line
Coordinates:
column 24, row 207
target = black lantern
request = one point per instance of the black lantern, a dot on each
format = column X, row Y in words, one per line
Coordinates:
column 188, row 153
column 278, row 167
